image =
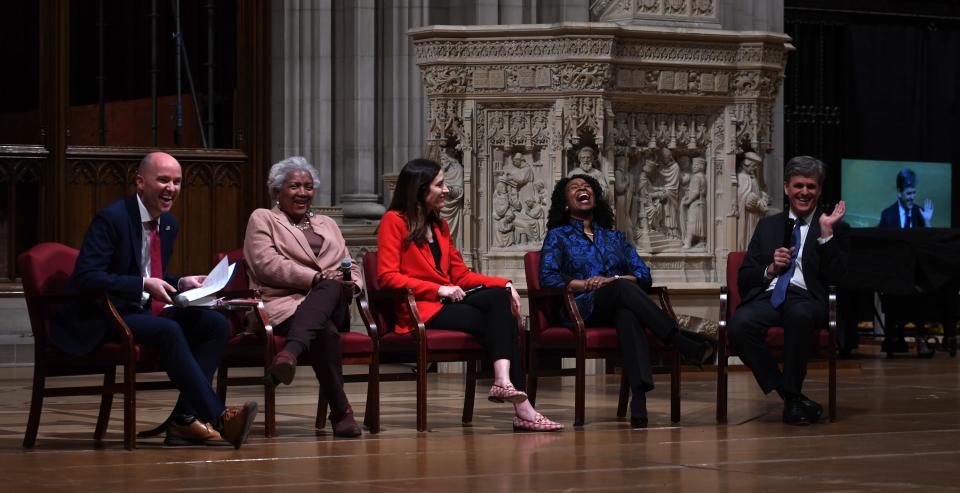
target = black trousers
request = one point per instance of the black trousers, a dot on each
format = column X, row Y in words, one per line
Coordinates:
column 314, row 326
column 626, row 306
column 799, row 315
column 486, row 315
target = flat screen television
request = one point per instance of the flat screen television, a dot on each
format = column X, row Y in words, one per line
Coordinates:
column 869, row 186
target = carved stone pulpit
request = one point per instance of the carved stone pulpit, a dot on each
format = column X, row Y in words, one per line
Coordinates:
column 660, row 115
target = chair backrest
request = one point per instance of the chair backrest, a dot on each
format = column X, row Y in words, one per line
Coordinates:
column 734, row 261
column 45, row 269
column 544, row 313
column 382, row 309
column 239, row 282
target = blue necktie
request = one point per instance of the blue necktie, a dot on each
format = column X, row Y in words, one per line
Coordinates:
column 780, row 289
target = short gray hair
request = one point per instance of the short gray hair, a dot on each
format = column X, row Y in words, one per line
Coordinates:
column 807, row 166
column 279, row 171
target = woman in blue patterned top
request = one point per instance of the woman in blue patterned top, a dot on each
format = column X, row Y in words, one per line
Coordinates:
column 583, row 252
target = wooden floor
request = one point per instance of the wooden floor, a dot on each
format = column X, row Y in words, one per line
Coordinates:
column 898, row 429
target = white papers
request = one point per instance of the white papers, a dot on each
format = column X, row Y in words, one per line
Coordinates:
column 216, row 280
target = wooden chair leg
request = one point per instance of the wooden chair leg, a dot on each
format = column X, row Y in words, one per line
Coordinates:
column 470, row 391
column 675, row 388
column 624, row 396
column 532, row 376
column 129, row 406
column 580, row 391
column 36, row 404
column 722, row 382
column 371, row 417
column 421, row 392
column 832, row 386
column 222, row 383
column 106, row 403
column 269, row 411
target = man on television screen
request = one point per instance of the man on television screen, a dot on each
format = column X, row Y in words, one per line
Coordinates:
column 905, row 214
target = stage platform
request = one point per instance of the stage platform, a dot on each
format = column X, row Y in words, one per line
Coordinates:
column 898, row 429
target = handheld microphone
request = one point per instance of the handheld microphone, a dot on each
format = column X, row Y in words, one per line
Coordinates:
column 788, row 232
column 345, row 265
column 181, row 301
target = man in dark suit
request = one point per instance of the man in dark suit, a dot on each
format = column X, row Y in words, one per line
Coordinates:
column 905, row 214
column 125, row 254
column 786, row 285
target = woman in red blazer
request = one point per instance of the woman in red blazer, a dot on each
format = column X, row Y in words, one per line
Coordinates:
column 417, row 252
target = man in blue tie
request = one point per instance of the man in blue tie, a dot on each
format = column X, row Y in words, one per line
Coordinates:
column 786, row 286
column 905, row 214
column 125, row 254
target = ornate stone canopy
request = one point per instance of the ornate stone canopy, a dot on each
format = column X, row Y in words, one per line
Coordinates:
column 660, row 115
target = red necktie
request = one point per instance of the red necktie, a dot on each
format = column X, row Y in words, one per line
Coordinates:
column 156, row 266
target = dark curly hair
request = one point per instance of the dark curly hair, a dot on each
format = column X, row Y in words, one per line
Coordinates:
column 559, row 215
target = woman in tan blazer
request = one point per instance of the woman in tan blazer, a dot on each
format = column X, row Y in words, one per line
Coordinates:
column 294, row 258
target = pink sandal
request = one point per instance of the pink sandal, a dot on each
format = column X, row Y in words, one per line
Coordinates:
column 541, row 423
column 508, row 393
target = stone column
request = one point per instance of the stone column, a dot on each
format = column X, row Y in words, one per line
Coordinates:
column 354, row 112
column 401, row 97
column 763, row 15
column 301, row 87
column 564, row 11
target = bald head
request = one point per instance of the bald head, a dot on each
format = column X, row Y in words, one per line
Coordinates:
column 158, row 182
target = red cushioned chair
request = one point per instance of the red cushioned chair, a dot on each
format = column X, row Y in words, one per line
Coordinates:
column 826, row 340
column 252, row 343
column 46, row 269
column 420, row 346
column 549, row 337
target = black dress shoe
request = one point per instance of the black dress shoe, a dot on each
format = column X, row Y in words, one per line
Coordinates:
column 813, row 410
column 893, row 345
column 638, row 422
column 950, row 345
column 924, row 350
column 794, row 413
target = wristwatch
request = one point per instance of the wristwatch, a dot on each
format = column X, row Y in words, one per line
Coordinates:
column 616, row 276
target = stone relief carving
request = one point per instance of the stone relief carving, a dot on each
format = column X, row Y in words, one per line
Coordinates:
column 694, row 204
column 587, row 164
column 658, row 195
column 752, row 197
column 452, row 210
column 703, row 7
column 663, row 114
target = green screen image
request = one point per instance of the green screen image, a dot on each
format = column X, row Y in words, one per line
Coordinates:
column 869, row 186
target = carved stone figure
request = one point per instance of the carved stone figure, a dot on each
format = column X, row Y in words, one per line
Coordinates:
column 694, row 202
column 752, row 197
column 516, row 173
column 623, row 191
column 670, row 187
column 587, row 166
column 527, row 224
column 504, row 214
column 452, row 210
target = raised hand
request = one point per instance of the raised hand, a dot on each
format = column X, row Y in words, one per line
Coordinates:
column 927, row 212
column 828, row 220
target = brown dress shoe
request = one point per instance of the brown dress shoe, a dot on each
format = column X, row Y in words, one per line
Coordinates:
column 195, row 433
column 344, row 425
column 283, row 368
column 237, row 421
